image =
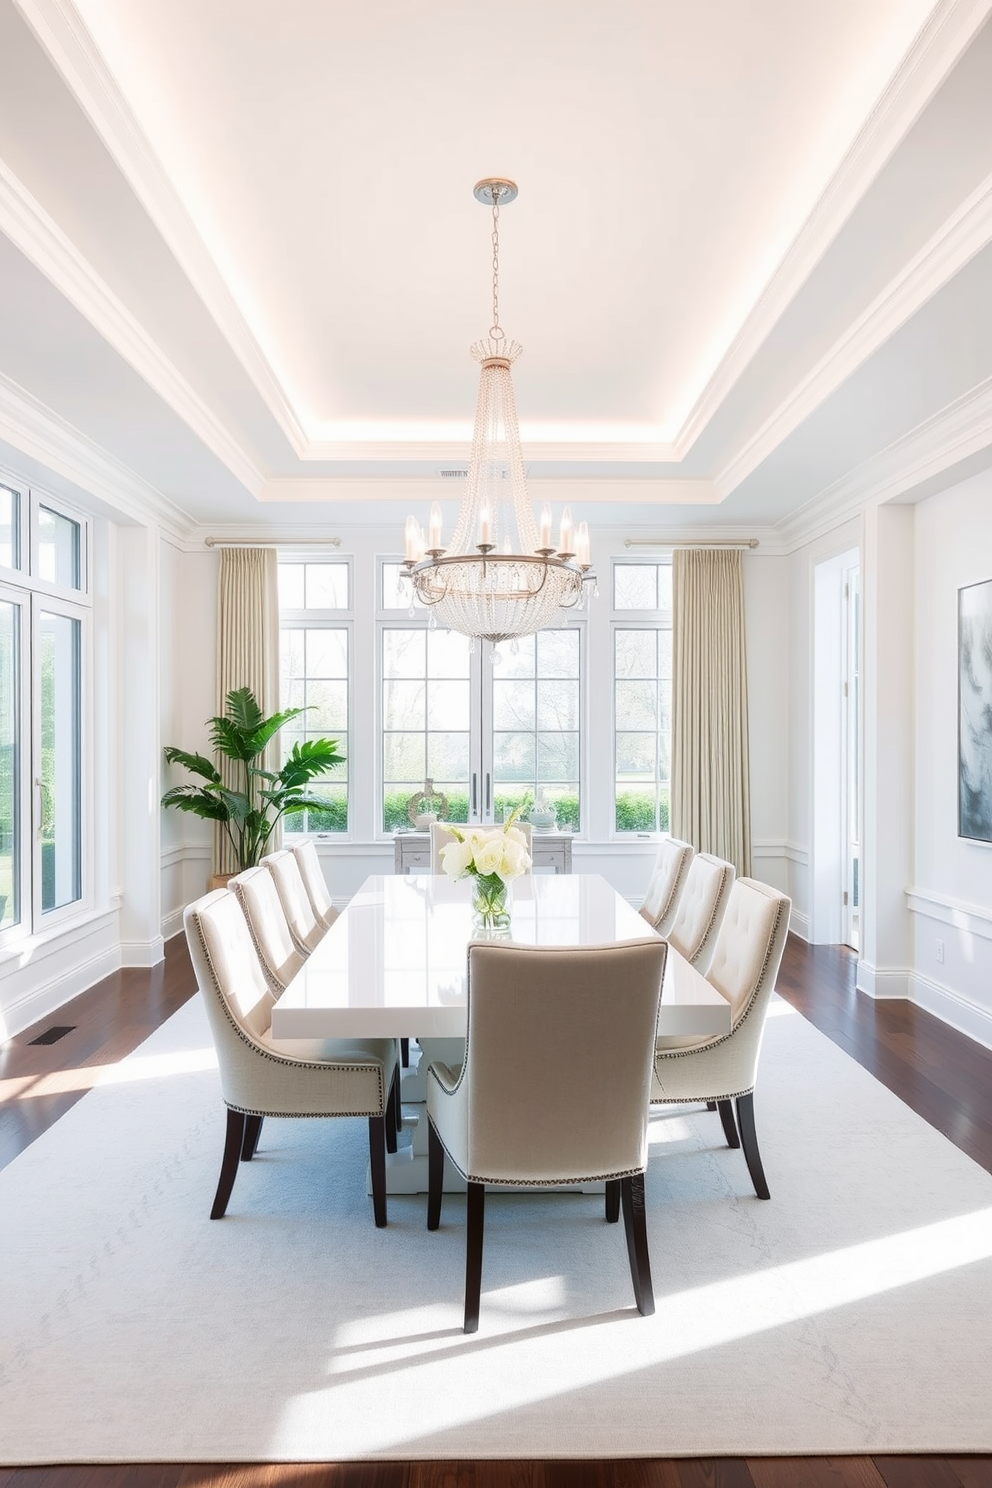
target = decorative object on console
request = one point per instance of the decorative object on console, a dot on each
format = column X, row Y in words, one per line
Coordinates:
column 493, row 857
column 542, row 815
column 426, row 806
column 481, row 584
column 974, row 708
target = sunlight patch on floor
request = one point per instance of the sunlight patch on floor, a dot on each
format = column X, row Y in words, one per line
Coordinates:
column 536, row 1362
column 135, row 1067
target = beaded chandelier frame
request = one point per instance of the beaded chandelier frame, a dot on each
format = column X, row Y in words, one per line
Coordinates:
column 501, row 576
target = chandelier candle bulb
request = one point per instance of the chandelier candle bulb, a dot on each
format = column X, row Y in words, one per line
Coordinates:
column 565, row 534
column 435, row 528
column 582, row 545
column 485, row 527
column 545, row 544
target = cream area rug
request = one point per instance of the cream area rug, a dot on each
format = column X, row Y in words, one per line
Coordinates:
column 849, row 1314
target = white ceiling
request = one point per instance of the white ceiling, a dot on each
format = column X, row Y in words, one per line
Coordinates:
column 241, row 262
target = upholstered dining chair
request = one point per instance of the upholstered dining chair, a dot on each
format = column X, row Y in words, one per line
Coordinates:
column 543, row 1022
column 261, row 1077
column 441, row 835
column 744, row 966
column 702, row 905
column 277, row 952
column 304, row 927
column 315, row 883
column 661, row 901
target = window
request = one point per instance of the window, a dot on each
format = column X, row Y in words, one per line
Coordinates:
column 44, row 618
column 426, row 719
column 492, row 727
column 536, row 710
column 315, row 645
column 642, row 695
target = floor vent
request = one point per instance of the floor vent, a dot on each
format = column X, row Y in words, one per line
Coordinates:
column 52, row 1035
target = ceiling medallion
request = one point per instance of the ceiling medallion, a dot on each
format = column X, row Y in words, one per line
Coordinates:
column 501, row 576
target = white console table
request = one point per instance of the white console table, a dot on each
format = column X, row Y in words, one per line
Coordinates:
column 551, row 852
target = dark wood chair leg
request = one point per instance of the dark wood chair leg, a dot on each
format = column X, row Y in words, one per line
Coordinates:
column 377, row 1162
column 390, row 1115
column 398, row 1100
column 612, row 1200
column 729, row 1124
column 405, row 1052
column 749, row 1141
column 233, row 1144
column 475, row 1217
column 711, row 1105
column 253, row 1130
column 435, row 1176
column 635, row 1224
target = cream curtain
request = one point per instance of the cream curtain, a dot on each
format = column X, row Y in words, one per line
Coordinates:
column 710, row 775
column 247, row 652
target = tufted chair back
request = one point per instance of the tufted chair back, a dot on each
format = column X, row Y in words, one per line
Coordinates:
column 701, row 908
column 304, row 927
column 316, row 886
column 258, row 896
column 441, row 835
column 238, row 998
column 748, row 950
column 661, row 901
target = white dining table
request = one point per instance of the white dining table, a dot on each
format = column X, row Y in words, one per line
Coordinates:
column 394, row 965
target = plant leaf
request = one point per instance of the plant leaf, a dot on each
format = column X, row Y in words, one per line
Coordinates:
column 197, row 764
column 201, row 802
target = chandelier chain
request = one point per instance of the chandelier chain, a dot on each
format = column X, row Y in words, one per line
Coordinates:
column 496, row 330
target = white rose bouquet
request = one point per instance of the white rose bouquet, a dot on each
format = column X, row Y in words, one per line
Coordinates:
column 494, row 856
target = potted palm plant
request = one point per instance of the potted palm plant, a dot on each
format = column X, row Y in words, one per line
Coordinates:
column 249, row 811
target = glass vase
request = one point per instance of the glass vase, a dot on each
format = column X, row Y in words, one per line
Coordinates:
column 490, row 904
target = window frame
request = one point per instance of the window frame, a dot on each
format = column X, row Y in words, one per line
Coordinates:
column 327, row 619
column 32, row 594
column 633, row 619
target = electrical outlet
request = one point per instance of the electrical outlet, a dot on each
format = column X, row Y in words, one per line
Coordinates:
column 940, row 951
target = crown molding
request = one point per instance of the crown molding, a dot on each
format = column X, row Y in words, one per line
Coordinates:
column 961, row 431
column 943, row 38
column 966, row 232
column 29, row 227
column 640, row 490
column 62, row 32
column 455, row 451
column 37, row 432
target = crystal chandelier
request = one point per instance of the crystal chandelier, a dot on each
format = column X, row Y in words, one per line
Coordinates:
column 501, row 576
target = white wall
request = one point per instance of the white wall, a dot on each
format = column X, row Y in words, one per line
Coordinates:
column 951, row 889
column 187, row 700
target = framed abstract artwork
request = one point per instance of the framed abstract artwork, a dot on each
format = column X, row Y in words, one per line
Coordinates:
column 975, row 711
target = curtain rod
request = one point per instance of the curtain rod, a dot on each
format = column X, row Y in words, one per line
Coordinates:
column 276, row 542
column 687, row 542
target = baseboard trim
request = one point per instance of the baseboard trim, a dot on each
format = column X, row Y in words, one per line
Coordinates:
column 952, row 1008
column 890, row 983
column 143, row 952
column 41, row 1002
column 799, row 924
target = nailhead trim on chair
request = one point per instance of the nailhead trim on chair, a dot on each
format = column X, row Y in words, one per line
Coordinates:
column 511, row 1182
column 712, row 919
column 275, row 986
column 303, row 1064
column 570, row 1181
column 684, row 1053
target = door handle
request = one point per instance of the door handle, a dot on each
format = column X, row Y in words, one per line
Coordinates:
column 489, row 792
column 475, row 794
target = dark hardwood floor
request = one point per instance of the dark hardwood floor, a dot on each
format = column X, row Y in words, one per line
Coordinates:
column 942, row 1075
